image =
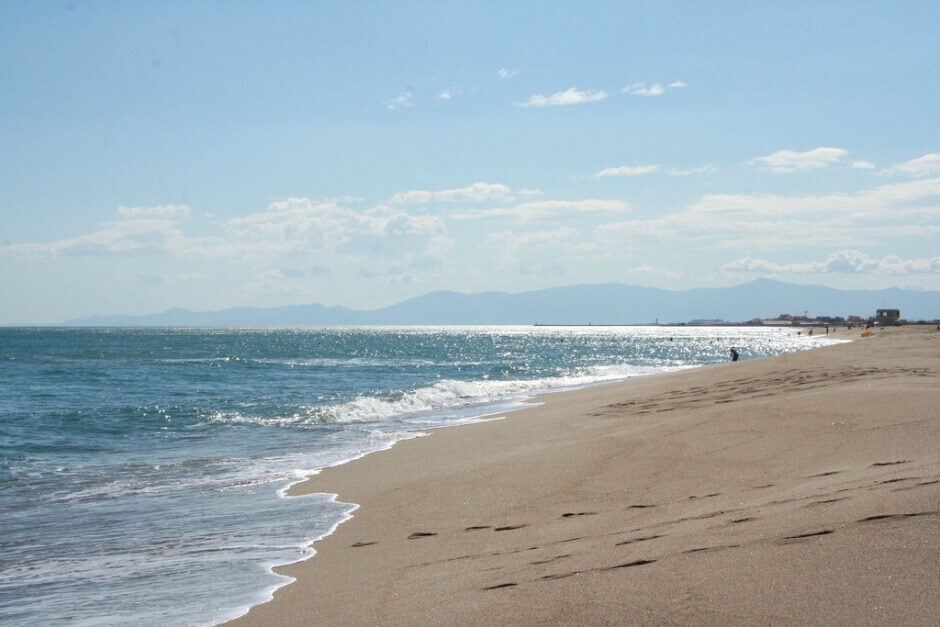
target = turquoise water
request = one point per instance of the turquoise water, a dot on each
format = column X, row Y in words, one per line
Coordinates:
column 142, row 471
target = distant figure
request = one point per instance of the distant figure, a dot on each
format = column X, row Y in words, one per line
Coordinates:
column 734, row 354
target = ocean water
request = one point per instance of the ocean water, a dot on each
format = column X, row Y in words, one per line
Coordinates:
column 143, row 471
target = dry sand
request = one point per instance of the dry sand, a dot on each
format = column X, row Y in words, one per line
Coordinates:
column 802, row 488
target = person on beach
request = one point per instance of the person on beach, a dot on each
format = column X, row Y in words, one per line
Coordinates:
column 734, row 354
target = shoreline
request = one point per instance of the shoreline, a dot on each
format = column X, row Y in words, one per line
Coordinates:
column 435, row 470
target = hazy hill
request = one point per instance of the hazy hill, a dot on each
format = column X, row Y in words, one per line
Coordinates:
column 609, row 303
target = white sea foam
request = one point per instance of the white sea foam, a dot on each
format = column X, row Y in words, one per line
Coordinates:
column 446, row 394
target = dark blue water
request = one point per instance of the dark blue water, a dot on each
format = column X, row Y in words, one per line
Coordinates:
column 142, row 471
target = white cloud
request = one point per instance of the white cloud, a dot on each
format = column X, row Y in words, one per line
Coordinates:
column 295, row 225
column 401, row 101
column 568, row 97
column 909, row 209
column 705, row 169
column 921, row 166
column 534, row 239
column 506, row 72
column 301, row 224
column 121, row 237
column 843, row 261
column 343, row 200
column 654, row 271
column 636, row 170
column 450, row 94
column 542, row 269
column 626, row 170
column 786, row 161
column 477, row 192
column 656, row 89
column 159, row 211
column 548, row 210
column 514, row 247
column 640, row 89
column 863, row 165
column 152, row 279
column 271, row 282
column 897, row 198
column 193, row 276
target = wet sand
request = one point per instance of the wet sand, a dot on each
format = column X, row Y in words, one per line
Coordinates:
column 803, row 488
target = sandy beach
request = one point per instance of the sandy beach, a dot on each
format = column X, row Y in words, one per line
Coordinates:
column 803, row 488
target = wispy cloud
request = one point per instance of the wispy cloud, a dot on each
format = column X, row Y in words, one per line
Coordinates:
column 705, row 169
column 640, row 89
column 401, row 101
column 787, row 161
column 513, row 248
column 844, row 261
column 450, row 94
column 909, row 209
column 637, row 170
column 294, row 225
column 159, row 211
column 477, row 192
column 927, row 165
column 647, row 270
column 568, row 97
column 656, row 89
column 534, row 239
column 626, row 170
column 549, row 210
column 863, row 165
column 132, row 236
column 505, row 72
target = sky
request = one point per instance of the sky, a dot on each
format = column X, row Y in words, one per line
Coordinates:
column 215, row 154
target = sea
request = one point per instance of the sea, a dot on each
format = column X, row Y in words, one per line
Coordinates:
column 143, row 471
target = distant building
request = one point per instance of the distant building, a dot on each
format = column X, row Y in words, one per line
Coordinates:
column 887, row 316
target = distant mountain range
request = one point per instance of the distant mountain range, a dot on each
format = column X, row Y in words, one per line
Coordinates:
column 608, row 303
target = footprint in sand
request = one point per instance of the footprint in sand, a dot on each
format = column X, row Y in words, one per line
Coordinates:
column 629, row 564
column 900, row 516
column 549, row 560
column 826, row 502
column 500, row 585
column 899, row 479
column 712, row 548
column 602, row 569
column 634, row 540
column 811, row 534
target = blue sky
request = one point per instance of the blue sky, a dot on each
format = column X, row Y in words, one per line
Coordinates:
column 213, row 154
